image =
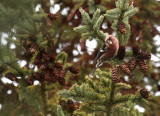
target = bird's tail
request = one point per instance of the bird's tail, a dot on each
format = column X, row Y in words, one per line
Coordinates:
column 97, row 66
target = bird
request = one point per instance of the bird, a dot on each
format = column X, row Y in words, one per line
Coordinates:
column 107, row 51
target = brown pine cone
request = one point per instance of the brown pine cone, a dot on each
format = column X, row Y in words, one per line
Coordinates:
column 154, row 76
column 30, row 50
column 154, row 31
column 11, row 76
column 136, row 50
column 62, row 74
column 37, row 76
column 125, row 69
column 56, row 72
column 71, row 108
column 132, row 64
column 142, row 65
column 97, row 1
column 53, row 79
column 31, row 37
column 121, row 52
column 42, row 67
column 144, row 55
column 63, row 104
column 71, row 105
column 121, row 27
column 74, row 78
column 30, row 80
column 58, row 65
column 62, row 81
column 115, row 75
column 46, row 57
column 144, row 93
column 28, row 44
column 52, row 16
column 49, row 22
column 38, row 59
column 73, row 69
column 52, row 57
column 47, row 76
column 70, row 102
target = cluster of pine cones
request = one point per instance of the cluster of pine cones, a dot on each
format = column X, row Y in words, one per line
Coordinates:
column 69, row 105
column 50, row 18
column 29, row 45
column 50, row 70
column 127, row 68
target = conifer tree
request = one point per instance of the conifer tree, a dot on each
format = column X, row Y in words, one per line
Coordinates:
column 45, row 64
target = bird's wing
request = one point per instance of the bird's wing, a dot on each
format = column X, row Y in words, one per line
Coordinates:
column 101, row 52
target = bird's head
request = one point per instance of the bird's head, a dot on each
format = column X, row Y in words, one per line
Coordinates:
column 111, row 40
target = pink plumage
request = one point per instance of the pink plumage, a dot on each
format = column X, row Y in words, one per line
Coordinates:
column 108, row 51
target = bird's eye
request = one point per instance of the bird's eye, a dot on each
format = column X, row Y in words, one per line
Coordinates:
column 109, row 41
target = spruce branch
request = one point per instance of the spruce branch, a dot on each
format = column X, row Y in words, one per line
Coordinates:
column 90, row 29
column 121, row 14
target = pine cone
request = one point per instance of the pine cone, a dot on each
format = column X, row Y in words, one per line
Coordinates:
column 75, row 78
column 121, row 27
column 52, row 16
column 38, row 60
column 56, row 72
column 46, row 57
column 11, row 77
column 125, row 69
column 73, row 69
column 142, row 65
column 70, row 102
column 121, row 52
column 58, row 65
column 30, row 80
column 155, row 76
column 132, row 64
column 136, row 50
column 49, row 22
column 71, row 106
column 97, row 1
column 62, row 81
column 28, row 44
column 37, row 76
column 63, row 104
column 144, row 55
column 154, row 31
column 47, row 76
column 53, row 79
column 52, row 57
column 144, row 93
column 31, row 37
column 42, row 67
column 115, row 75
column 62, row 74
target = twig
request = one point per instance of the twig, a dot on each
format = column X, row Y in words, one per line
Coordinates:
column 109, row 105
column 44, row 97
